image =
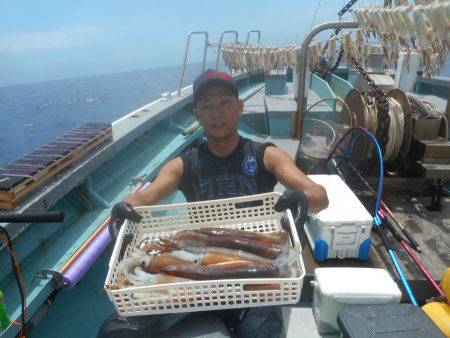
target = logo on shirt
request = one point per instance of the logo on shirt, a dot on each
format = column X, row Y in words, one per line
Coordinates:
column 249, row 165
column 224, row 186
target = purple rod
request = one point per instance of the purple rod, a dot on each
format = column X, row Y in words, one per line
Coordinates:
column 79, row 267
column 82, row 264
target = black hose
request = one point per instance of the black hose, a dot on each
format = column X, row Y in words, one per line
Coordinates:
column 393, row 231
column 44, row 217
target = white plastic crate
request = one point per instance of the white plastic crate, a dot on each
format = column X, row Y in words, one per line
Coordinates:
column 253, row 213
column 338, row 288
column 342, row 230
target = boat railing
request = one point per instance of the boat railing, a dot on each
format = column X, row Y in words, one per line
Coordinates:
column 205, row 49
column 303, row 59
column 186, row 51
column 248, row 36
column 236, row 37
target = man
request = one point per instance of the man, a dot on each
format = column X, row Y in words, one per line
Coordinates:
column 227, row 165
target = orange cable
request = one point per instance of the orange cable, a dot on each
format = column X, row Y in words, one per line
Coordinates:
column 16, row 264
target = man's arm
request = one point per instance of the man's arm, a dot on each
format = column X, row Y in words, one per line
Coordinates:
column 280, row 164
column 165, row 183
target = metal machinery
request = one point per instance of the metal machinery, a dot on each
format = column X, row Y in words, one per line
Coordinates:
column 415, row 142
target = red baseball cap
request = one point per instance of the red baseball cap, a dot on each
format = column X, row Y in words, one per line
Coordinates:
column 212, row 77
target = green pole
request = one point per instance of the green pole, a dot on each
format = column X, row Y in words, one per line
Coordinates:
column 4, row 319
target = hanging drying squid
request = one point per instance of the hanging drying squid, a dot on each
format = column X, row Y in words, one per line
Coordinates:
column 349, row 47
column 360, row 46
column 424, row 28
column 314, row 52
column 332, row 49
column 239, row 57
column 422, row 36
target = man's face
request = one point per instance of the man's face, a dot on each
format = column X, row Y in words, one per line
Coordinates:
column 218, row 111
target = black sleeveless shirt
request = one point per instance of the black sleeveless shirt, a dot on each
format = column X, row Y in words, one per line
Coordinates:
column 207, row 176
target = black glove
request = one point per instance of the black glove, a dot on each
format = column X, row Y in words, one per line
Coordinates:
column 297, row 202
column 119, row 213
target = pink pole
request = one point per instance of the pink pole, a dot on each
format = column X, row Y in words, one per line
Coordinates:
column 422, row 268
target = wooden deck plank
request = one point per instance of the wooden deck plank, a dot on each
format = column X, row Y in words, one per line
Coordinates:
column 430, row 229
column 432, row 170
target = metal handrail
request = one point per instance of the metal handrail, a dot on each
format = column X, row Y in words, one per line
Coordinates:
column 236, row 35
column 302, row 62
column 186, row 50
column 248, row 36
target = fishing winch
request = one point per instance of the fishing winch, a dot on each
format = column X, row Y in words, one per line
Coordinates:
column 398, row 132
column 413, row 137
column 406, row 126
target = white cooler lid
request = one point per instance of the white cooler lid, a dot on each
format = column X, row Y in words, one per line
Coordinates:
column 356, row 283
column 343, row 206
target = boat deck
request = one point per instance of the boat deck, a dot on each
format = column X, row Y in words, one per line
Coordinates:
column 299, row 322
column 430, row 229
column 142, row 142
column 258, row 102
column 274, row 114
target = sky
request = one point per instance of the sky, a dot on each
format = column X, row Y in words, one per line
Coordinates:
column 53, row 39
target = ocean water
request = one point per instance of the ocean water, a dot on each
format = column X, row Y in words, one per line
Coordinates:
column 32, row 115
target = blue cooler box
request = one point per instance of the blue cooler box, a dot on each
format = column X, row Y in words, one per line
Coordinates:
column 342, row 230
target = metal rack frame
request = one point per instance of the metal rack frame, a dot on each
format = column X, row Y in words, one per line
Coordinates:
column 186, row 51
column 236, row 37
column 303, row 58
column 205, row 50
column 248, row 36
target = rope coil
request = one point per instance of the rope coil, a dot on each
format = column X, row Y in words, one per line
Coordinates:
column 371, row 116
column 395, row 132
column 427, row 110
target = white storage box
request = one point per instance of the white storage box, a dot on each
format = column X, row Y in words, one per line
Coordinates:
column 342, row 230
column 339, row 288
column 253, row 213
